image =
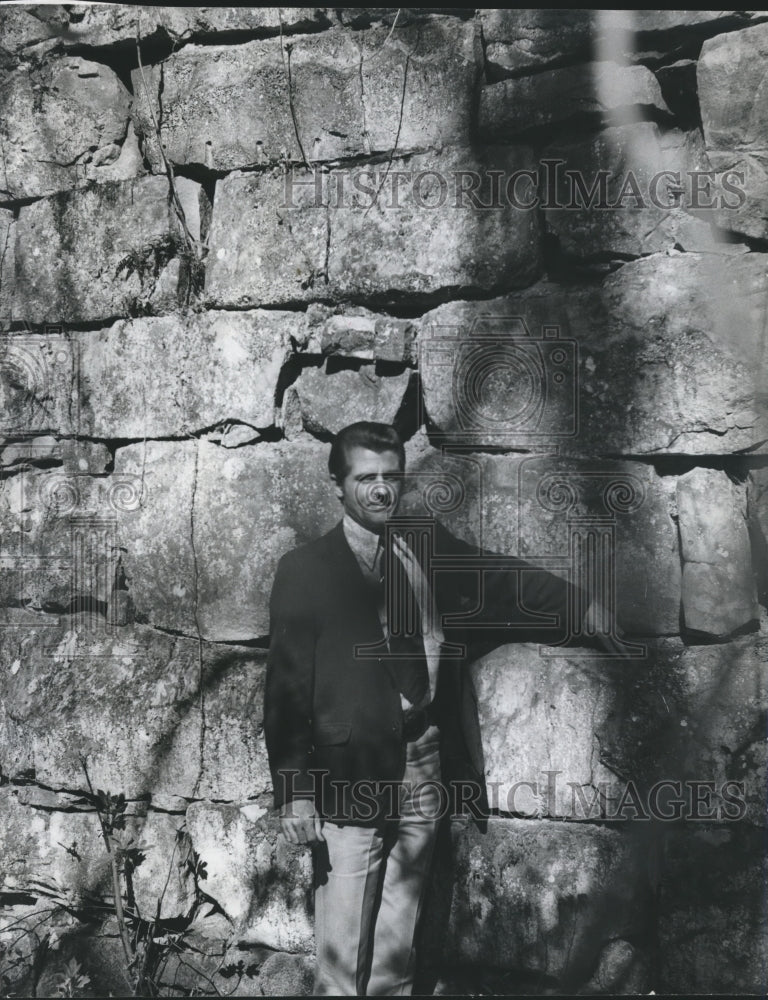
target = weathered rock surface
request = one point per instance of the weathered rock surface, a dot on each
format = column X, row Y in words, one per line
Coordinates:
column 649, row 363
column 34, row 846
column 600, row 90
column 354, row 331
column 38, row 373
column 320, row 97
column 272, row 497
column 544, row 722
column 630, row 190
column 117, row 23
column 712, row 910
column 128, row 702
column 61, row 121
column 523, row 505
column 527, row 41
column 330, row 402
column 322, row 238
column 543, row 897
column 722, row 705
column 7, row 264
column 108, row 250
column 730, row 80
column 263, row 883
column 171, row 375
column 718, row 583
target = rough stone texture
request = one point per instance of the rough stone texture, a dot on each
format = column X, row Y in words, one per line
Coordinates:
column 129, row 702
column 263, row 883
column 712, row 913
column 526, row 41
column 116, row 24
column 722, row 706
column 62, row 120
column 162, row 875
column 661, row 367
column 34, row 846
column 330, row 402
column 38, row 373
column 731, row 81
column 718, row 584
column 536, row 896
column 630, row 190
column 356, row 332
column 519, row 506
column 347, row 95
column 105, row 251
column 541, row 714
column 24, row 25
column 306, row 250
column 196, row 576
column 7, row 264
column 170, row 375
column 600, row 90
column 522, row 41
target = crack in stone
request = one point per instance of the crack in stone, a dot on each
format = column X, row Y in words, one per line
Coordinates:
column 197, row 621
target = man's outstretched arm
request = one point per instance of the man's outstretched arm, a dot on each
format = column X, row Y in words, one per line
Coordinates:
column 288, row 703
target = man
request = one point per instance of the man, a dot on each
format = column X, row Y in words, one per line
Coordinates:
column 366, row 723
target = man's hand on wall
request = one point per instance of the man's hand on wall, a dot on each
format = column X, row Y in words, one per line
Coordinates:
column 299, row 822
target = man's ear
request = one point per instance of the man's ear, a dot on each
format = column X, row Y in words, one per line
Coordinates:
column 337, row 489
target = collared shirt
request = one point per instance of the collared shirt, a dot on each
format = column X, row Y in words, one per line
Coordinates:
column 368, row 549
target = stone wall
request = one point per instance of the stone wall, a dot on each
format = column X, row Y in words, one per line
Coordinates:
column 537, row 241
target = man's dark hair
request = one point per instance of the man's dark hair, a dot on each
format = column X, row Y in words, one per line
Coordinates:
column 363, row 434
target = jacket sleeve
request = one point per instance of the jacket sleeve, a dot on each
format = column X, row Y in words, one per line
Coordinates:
column 515, row 594
column 289, row 684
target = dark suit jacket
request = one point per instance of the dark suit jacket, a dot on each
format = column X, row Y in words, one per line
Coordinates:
column 332, row 720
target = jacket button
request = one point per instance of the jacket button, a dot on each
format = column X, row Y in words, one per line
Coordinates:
column 395, row 727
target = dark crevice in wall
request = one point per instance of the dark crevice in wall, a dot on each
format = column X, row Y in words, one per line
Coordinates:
column 158, row 46
column 578, row 127
column 358, row 19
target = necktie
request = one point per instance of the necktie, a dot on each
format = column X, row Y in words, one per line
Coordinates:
column 406, row 643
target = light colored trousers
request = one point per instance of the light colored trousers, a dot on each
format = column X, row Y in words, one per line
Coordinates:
column 368, row 902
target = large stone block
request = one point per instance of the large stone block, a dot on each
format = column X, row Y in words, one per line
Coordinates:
column 528, row 40
column 108, row 250
column 718, row 584
column 721, row 707
column 602, row 91
column 24, row 26
column 117, row 23
column 202, row 550
column 524, row 41
column 263, row 883
column 330, row 402
column 62, row 120
column 543, row 897
column 663, row 357
column 7, row 264
column 545, row 722
column 354, row 331
column 350, row 94
column 63, row 850
column 61, row 531
column 329, row 237
column 712, row 911
column 734, row 118
column 169, row 376
column 128, row 701
column 630, row 190
column 543, row 508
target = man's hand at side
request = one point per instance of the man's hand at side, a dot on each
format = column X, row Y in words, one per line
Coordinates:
column 299, row 822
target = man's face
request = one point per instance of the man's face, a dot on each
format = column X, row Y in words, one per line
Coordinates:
column 370, row 491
